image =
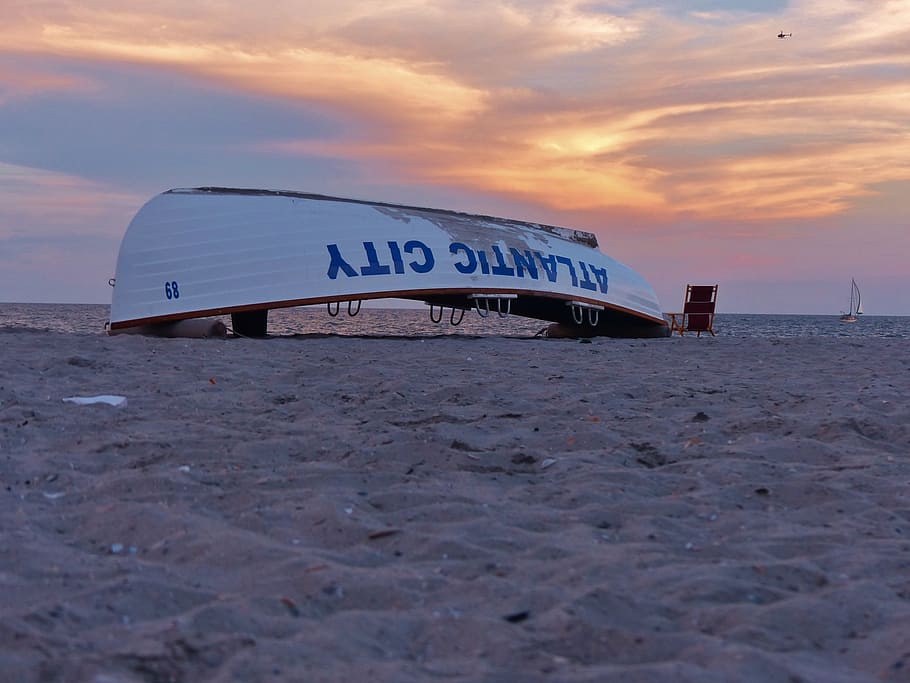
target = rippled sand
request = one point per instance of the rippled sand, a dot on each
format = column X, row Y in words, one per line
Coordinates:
column 461, row 509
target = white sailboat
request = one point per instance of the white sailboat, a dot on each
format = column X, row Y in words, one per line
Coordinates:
column 856, row 304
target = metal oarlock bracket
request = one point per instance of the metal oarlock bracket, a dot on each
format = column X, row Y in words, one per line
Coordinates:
column 437, row 318
column 334, row 307
column 484, row 311
column 582, row 310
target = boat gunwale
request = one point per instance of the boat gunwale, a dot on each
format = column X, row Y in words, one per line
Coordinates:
column 409, row 294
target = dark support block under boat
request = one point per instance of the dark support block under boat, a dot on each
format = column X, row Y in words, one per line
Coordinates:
column 250, row 323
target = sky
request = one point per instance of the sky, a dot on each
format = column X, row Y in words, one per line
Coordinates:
column 697, row 145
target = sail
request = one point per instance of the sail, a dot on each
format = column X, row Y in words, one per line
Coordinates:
column 856, row 304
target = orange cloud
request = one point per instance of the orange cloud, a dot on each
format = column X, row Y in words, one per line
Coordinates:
column 562, row 104
column 20, row 83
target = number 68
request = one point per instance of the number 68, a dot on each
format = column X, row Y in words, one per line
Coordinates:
column 171, row 291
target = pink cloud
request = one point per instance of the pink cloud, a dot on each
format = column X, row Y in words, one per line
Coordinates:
column 36, row 203
column 553, row 103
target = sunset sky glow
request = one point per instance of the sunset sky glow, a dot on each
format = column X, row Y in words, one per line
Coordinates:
column 697, row 145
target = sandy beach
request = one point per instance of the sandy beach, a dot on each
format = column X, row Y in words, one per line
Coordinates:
column 455, row 509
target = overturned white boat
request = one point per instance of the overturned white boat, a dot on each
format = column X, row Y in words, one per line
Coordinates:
column 208, row 251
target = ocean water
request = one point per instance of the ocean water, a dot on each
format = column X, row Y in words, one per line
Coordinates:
column 91, row 318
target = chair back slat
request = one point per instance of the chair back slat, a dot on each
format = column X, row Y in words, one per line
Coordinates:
column 699, row 307
column 702, row 292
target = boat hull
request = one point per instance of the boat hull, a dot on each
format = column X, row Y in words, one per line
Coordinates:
column 213, row 251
